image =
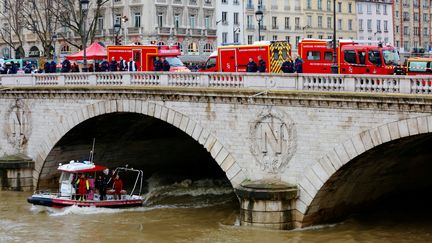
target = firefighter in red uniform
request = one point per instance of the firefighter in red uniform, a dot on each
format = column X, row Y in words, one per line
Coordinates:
column 83, row 187
column 118, row 186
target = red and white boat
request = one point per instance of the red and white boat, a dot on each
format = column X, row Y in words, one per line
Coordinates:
column 67, row 192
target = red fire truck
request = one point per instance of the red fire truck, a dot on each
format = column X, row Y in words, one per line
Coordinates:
column 352, row 57
column 234, row 58
column 144, row 56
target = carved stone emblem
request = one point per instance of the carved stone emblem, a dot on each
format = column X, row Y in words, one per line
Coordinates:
column 17, row 125
column 272, row 140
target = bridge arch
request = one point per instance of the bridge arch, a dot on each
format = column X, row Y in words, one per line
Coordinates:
column 319, row 177
column 200, row 134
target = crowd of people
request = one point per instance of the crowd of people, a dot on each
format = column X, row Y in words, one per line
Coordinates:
column 86, row 187
column 289, row 66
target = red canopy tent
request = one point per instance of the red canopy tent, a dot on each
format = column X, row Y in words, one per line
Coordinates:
column 94, row 52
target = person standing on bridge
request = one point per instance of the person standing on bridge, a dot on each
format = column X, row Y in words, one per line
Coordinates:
column 113, row 65
column 251, row 66
column 123, row 65
column 132, row 66
column 157, row 64
column 165, row 65
column 298, row 64
column 288, row 66
column 261, row 65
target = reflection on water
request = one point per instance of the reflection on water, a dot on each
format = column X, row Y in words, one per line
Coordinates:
column 202, row 211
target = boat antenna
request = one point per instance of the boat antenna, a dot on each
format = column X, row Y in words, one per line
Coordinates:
column 92, row 151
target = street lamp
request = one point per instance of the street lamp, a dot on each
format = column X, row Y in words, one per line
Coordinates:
column 84, row 8
column 334, row 67
column 259, row 17
column 117, row 27
column 124, row 20
column 54, row 40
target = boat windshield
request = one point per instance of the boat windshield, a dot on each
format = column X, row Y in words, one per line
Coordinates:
column 66, row 177
column 391, row 57
column 174, row 62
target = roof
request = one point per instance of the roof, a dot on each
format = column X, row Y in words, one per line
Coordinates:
column 94, row 52
column 80, row 167
column 194, row 58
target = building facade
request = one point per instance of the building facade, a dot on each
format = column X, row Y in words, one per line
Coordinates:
column 412, row 25
column 229, row 21
column 191, row 24
column 293, row 20
column 375, row 20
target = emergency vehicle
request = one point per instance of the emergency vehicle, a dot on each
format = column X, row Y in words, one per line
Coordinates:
column 234, row 58
column 352, row 57
column 418, row 66
column 144, row 56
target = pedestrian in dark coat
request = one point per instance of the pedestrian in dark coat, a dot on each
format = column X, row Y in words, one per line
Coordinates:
column 157, row 64
column 288, row 66
column 165, row 65
column 47, row 68
column 101, row 186
column 53, row 67
column 27, row 67
column 261, row 65
column 123, row 65
column 298, row 65
column 66, row 66
column 104, row 66
column 251, row 66
column 113, row 65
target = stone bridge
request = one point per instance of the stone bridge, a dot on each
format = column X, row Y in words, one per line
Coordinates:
column 298, row 149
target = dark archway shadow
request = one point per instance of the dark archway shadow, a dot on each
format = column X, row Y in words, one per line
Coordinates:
column 388, row 176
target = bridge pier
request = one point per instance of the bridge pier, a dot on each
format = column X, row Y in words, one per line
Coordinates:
column 267, row 204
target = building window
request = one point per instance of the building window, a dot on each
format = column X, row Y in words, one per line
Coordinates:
column 160, row 19
column 224, row 37
column 207, row 22
column 378, row 25
column 236, row 18
column 208, row 47
column 309, row 4
column 350, row 24
column 274, row 22
column 224, row 18
column 329, row 5
column 385, row 26
column 329, row 22
column 385, row 9
column 349, row 7
column 369, row 8
column 339, row 24
column 65, row 50
column 309, row 21
column 192, row 21
column 275, row 37
column 137, row 20
column 236, row 37
column 100, row 23
column 250, row 39
column 360, row 24
column 176, row 21
column 369, row 25
column 225, row 1
column 288, row 39
column 192, row 48
column 339, row 7
column 287, row 25
column 360, row 8
column 378, row 8
column 319, row 4
column 320, row 22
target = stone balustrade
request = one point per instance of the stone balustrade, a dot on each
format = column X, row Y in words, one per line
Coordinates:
column 306, row 82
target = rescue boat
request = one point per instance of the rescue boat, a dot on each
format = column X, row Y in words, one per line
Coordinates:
column 67, row 194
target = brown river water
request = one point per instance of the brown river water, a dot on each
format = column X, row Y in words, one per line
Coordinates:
column 192, row 215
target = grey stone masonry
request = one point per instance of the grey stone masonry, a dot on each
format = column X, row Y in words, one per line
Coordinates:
column 300, row 137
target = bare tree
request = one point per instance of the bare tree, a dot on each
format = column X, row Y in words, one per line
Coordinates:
column 69, row 15
column 13, row 23
column 38, row 18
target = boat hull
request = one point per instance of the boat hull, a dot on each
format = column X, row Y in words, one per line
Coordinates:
column 61, row 203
